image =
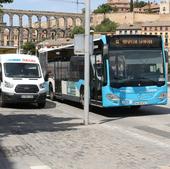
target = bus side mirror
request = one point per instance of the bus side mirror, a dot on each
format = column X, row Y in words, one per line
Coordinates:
column 105, row 50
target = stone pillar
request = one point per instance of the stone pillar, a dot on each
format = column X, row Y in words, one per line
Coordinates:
column 1, row 18
column 20, row 21
column 74, row 22
column 48, row 23
column 39, row 22
column 2, row 37
column 65, row 23
column 30, row 21
column 11, row 20
column 10, row 37
column 30, row 35
column 20, row 37
column 57, row 22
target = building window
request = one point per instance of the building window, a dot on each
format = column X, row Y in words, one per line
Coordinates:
column 130, row 31
column 161, row 28
column 145, row 28
column 166, row 28
column 150, row 28
column 156, row 33
column 155, row 28
column 136, row 32
column 125, row 32
column 164, row 9
column 145, row 33
column 150, row 33
column 120, row 32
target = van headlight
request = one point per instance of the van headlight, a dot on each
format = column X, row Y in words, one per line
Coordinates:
column 112, row 97
column 8, row 84
column 42, row 85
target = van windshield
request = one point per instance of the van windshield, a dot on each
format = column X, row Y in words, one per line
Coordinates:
column 23, row 70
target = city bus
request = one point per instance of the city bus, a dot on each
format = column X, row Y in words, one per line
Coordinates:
column 125, row 70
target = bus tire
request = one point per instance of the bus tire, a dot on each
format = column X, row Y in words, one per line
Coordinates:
column 51, row 93
column 135, row 107
column 41, row 104
column 82, row 96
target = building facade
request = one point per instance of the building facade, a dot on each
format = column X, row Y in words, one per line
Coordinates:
column 165, row 7
column 121, row 5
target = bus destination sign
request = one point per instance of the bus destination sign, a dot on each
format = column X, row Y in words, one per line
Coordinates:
column 135, row 42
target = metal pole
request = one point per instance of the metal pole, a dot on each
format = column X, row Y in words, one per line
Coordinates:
column 87, row 62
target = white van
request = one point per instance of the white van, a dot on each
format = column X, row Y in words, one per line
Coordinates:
column 21, row 80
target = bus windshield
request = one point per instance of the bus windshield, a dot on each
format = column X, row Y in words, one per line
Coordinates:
column 22, row 70
column 136, row 68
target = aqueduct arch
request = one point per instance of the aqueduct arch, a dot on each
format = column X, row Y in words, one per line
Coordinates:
column 35, row 28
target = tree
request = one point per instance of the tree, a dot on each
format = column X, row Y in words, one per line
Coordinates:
column 29, row 48
column 104, row 8
column 77, row 30
column 131, row 5
column 139, row 4
column 106, row 26
column 5, row 1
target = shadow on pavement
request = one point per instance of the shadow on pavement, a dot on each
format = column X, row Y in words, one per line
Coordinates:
column 5, row 163
column 49, row 105
column 32, row 123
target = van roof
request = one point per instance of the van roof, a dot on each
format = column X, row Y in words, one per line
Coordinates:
column 6, row 57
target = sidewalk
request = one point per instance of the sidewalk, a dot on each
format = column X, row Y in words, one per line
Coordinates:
column 56, row 139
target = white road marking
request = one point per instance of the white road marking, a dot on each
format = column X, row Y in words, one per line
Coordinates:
column 40, row 167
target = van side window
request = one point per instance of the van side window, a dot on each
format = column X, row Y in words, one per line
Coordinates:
column 0, row 72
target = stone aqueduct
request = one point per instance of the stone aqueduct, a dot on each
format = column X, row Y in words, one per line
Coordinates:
column 36, row 29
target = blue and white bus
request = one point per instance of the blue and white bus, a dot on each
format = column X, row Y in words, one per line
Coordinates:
column 131, row 72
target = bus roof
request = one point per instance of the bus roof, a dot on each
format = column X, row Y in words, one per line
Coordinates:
column 42, row 50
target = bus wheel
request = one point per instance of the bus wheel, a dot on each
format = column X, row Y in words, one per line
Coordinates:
column 41, row 104
column 51, row 93
column 82, row 96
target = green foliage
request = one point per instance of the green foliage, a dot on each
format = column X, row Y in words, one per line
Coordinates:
column 115, row 9
column 139, row 4
column 5, row 1
column 77, row 30
column 131, row 5
column 106, row 26
column 29, row 48
column 105, row 8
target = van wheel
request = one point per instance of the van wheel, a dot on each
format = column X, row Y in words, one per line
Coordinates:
column 82, row 96
column 41, row 104
column 2, row 103
column 51, row 93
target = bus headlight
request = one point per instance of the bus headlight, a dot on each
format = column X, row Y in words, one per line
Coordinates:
column 112, row 97
column 42, row 85
column 163, row 96
column 8, row 85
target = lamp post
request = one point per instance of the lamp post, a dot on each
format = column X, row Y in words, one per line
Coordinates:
column 87, row 62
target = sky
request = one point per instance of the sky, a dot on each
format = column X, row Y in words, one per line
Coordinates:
column 51, row 5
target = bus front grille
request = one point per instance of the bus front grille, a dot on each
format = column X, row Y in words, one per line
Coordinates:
column 26, row 89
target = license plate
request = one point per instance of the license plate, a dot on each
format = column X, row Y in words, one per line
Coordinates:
column 140, row 103
column 27, row 96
